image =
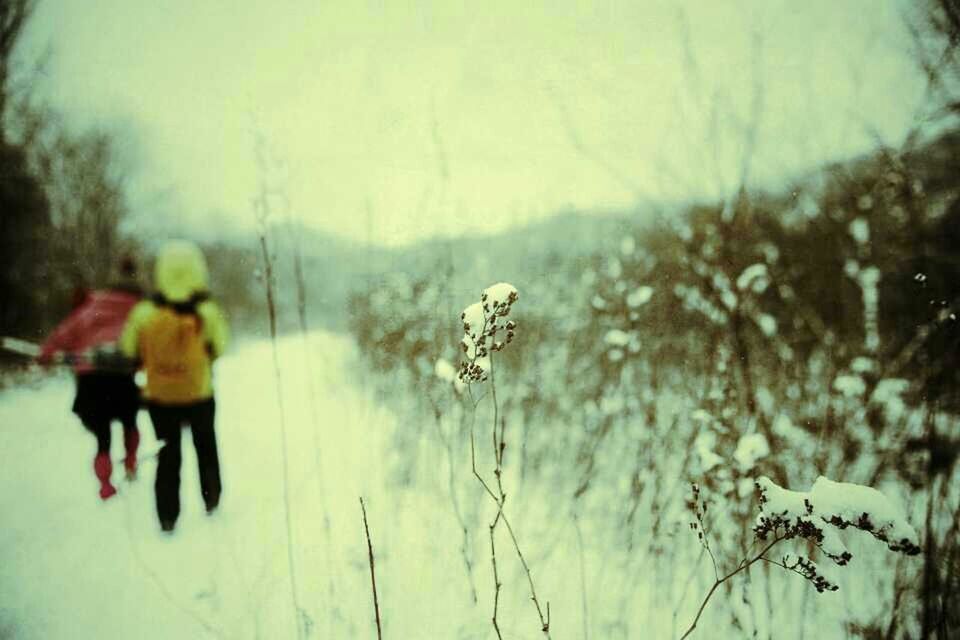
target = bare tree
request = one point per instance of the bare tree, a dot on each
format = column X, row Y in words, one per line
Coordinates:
column 13, row 17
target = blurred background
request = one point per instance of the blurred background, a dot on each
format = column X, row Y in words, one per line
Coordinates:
column 723, row 219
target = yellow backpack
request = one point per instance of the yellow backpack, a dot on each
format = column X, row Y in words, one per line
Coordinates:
column 174, row 356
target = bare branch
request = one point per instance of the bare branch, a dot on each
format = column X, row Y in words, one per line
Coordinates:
column 373, row 575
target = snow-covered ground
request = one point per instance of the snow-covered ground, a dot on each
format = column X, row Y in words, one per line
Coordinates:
column 75, row 567
column 72, row 566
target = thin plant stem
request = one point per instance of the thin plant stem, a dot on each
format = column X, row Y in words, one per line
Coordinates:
column 271, row 307
column 373, row 574
column 746, row 563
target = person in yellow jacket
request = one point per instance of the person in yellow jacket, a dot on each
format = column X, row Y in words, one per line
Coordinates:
column 176, row 336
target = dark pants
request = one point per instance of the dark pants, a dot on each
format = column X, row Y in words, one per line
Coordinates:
column 102, row 398
column 168, row 422
column 100, row 428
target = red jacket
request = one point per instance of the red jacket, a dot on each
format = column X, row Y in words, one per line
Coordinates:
column 99, row 320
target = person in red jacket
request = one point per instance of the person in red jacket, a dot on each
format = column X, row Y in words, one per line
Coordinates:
column 106, row 390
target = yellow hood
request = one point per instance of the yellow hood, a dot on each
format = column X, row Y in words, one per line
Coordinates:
column 181, row 271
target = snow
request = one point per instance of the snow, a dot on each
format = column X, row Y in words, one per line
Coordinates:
column 850, row 386
column 852, row 503
column 75, row 567
column 862, row 364
column 704, row 445
column 701, row 415
column 469, row 347
column 752, row 447
column 500, row 293
column 729, row 299
column 617, row 338
column 870, row 278
column 860, row 230
column 474, row 318
column 830, row 506
column 888, row 394
column 767, row 324
column 444, row 370
column 639, row 297
column 614, row 268
column 754, row 277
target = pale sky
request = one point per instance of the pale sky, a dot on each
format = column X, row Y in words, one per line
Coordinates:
column 394, row 121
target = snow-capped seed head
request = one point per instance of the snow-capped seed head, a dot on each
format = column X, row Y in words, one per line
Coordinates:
column 501, row 292
column 479, row 323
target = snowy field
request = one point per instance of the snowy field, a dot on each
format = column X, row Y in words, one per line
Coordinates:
column 74, row 567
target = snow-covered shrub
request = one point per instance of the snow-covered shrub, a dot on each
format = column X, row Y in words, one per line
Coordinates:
column 727, row 344
column 817, row 517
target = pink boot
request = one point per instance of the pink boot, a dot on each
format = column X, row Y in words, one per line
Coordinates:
column 131, row 440
column 103, row 467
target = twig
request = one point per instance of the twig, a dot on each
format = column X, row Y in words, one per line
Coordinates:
column 373, row 575
column 261, row 207
column 544, row 620
column 744, row 564
column 500, row 497
column 583, row 578
column 496, row 577
column 457, row 512
column 300, row 279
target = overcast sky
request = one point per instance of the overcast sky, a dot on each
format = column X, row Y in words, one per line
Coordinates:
column 391, row 121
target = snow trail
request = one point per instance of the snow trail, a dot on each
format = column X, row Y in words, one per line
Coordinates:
column 77, row 567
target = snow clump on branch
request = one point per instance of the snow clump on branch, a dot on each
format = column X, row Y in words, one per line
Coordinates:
column 818, row 515
column 485, row 330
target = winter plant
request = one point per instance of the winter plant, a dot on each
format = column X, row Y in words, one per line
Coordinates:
column 487, row 331
column 817, row 517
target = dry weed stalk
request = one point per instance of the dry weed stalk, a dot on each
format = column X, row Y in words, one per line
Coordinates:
column 483, row 324
column 373, row 574
column 261, row 209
